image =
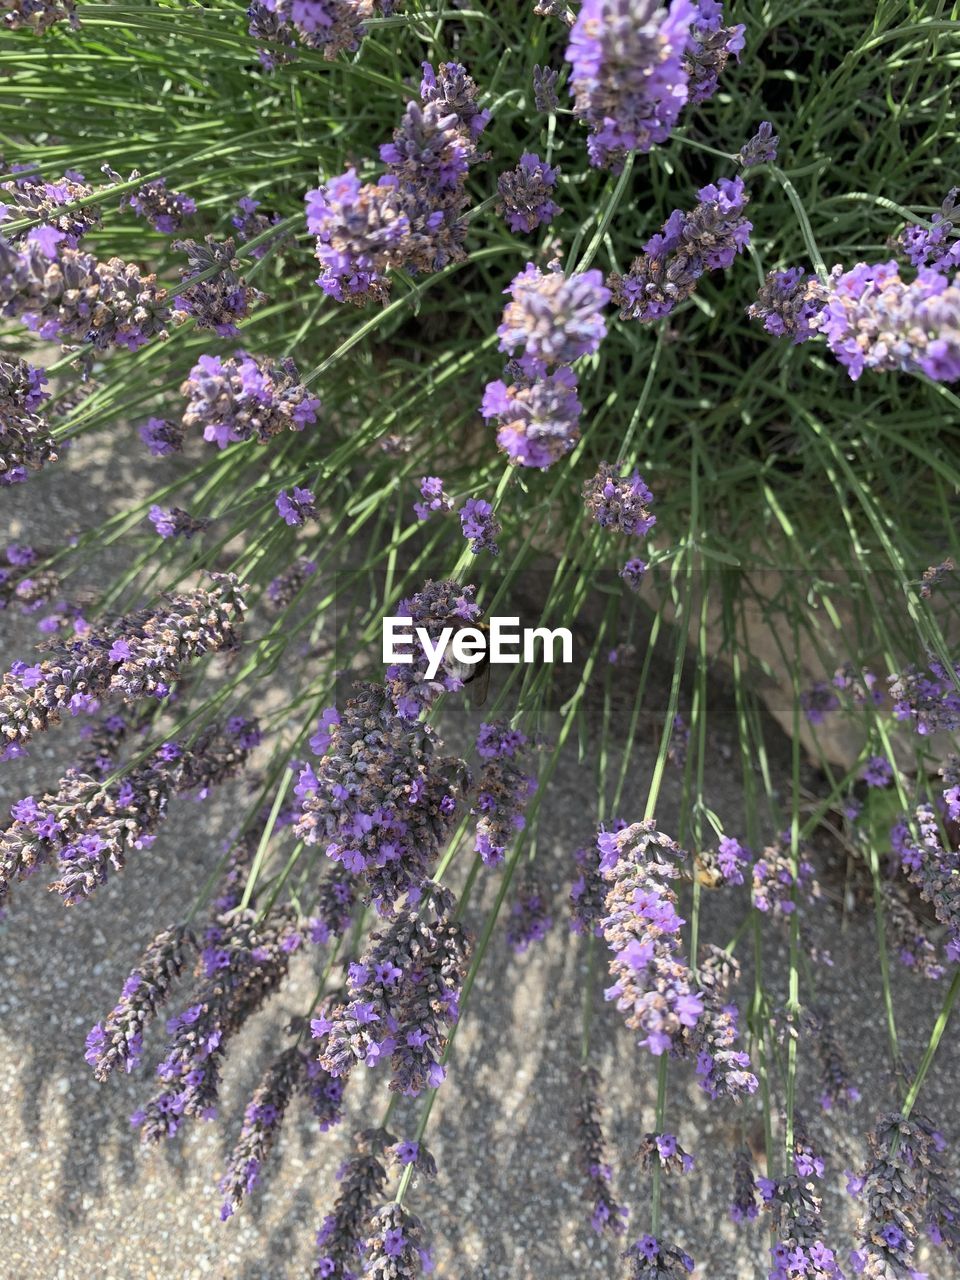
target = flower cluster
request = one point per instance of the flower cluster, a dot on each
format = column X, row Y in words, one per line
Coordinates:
column 721, row 1069
column 538, row 418
column 902, row 1188
column 931, row 699
column 709, row 49
column 162, row 437
column 396, row 1248
column 25, row 440
column 437, row 605
column 243, row 962
column 662, row 1150
column 381, row 800
column 412, row 216
column 588, row 892
column 653, row 985
column 529, row 920
column 914, row 949
column 931, row 246
column 607, row 1214
column 935, row 872
column 526, row 194
column 836, row 1087
column 138, row 655
column 688, row 244
column 342, row 1234
column 788, row 304
column 23, row 583
column 629, row 76
column 242, row 397
column 480, row 526
column 118, row 1040
column 27, row 196
column 776, row 883
column 212, row 292
column 553, row 320
column 297, row 506
column 174, row 522
column 67, row 295
column 89, row 827
column 652, row 1259
column 800, row 1249
column 403, row 995
column 328, row 26
column 745, row 1205
column 545, row 89
column 933, row 575
column 252, row 225
column 433, row 496
column 503, row 790
column 165, row 210
column 619, row 503
column 761, row 148
column 292, row 1073
column 285, row 587
column 872, row 319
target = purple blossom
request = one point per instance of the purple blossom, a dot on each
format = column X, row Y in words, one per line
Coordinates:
column 526, row 194
column 652, row 1259
column 435, row 606
column 176, row 523
column 629, row 76
column 877, row 772
column 545, row 89
column 932, row 246
column 687, row 245
column 529, row 920
column 480, row 526
column 164, row 210
column 619, row 503
column 788, row 304
column 538, row 418
column 872, row 319
column 633, row 573
column 251, row 225
column 710, row 45
column 243, row 396
column 503, row 790
column 161, row 437
column 296, row 507
column 607, row 1214
column 555, row 319
column 761, row 148
column 213, row 293
column 434, row 498
column 26, row 444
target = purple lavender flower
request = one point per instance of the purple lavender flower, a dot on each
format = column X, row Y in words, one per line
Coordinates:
column 73, row 297
column 138, row 655
column 553, row 318
column 176, row 523
column 381, row 800
column 932, row 577
column 244, row 396
column 935, row 872
column 588, row 892
column 617, row 503
column 629, row 74
column 503, row 790
column 328, row 26
column 800, row 1249
column 251, row 224
column 28, row 196
column 480, row 526
column 435, row 606
column 38, row 15
column 161, row 437
column 434, row 498
column 633, row 573
column 243, row 962
column 545, row 89
column 362, row 1179
column 652, row 1259
column 874, row 320
column 213, row 293
column 403, row 995
column 788, row 304
column 687, row 245
column 607, row 1215
column 285, row 587
column 931, row 246
column 396, row 1245
column 662, row 1150
column 296, row 507
column 913, row 948
column 526, row 194
column 538, row 419
column 710, row 45
column 411, row 217
column 930, row 700
column 25, row 441
column 775, row 887
column 529, row 919
column 761, row 148
column 293, row 1072
column 118, row 1040
column 653, row 985
column 877, row 772
column 164, row 210
column 818, row 701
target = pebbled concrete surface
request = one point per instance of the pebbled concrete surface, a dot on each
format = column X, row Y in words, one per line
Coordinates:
column 81, row 1199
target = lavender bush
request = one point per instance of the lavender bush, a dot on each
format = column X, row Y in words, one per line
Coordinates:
column 661, row 301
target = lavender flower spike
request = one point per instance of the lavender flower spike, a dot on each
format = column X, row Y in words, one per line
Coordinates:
column 554, row 318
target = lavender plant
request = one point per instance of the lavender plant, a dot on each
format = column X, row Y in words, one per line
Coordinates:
column 392, row 371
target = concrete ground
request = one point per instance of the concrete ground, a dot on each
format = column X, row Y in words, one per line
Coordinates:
column 81, row 1199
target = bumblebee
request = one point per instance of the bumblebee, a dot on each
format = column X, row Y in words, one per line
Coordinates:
column 475, row 674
